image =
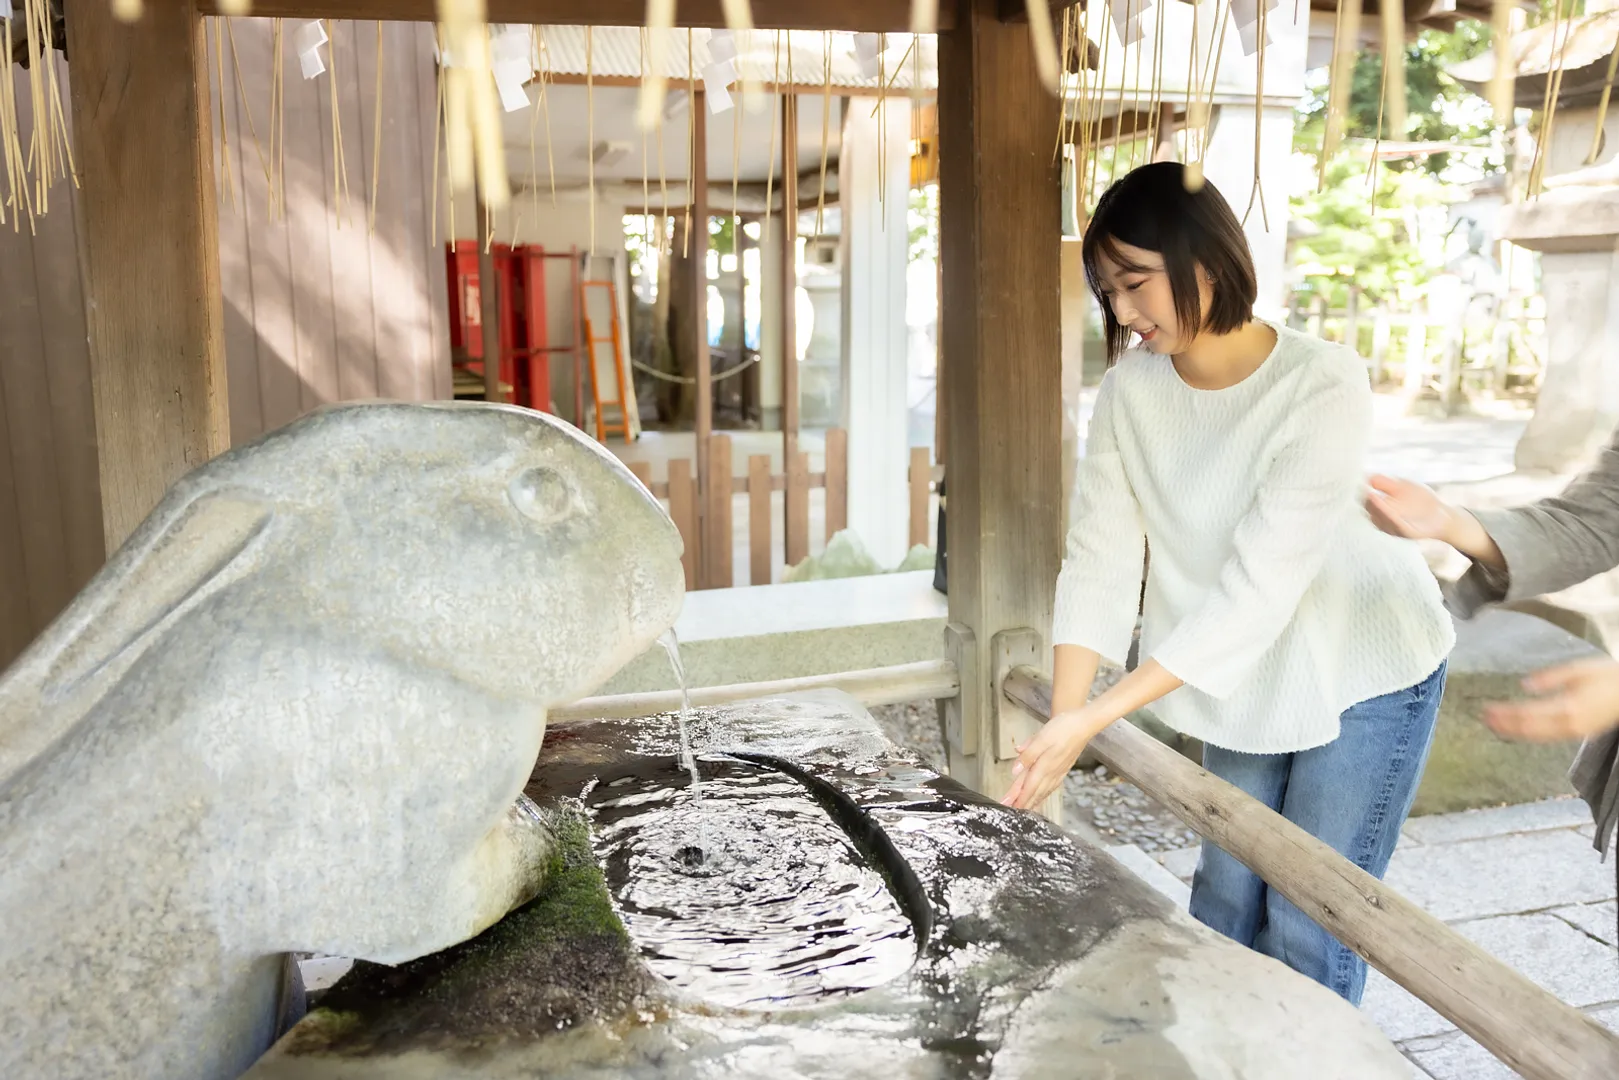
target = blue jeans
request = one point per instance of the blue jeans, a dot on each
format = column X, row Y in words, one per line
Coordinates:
column 1354, row 794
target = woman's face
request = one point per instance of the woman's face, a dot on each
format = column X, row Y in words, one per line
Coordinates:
column 1137, row 289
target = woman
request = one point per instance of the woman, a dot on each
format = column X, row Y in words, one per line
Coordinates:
column 1303, row 647
column 1524, row 552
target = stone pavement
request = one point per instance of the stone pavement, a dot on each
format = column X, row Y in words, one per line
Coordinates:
column 1523, row 882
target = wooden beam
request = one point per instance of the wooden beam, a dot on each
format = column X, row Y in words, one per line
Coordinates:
column 789, row 299
column 699, row 323
column 1001, row 230
column 874, row 686
column 869, row 15
column 1017, row 11
column 142, row 133
column 634, row 82
column 1517, row 1021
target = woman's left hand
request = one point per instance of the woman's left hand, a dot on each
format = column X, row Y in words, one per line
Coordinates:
column 1044, row 760
column 1579, row 699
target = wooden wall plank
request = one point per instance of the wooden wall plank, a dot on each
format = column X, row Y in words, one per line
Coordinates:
column 797, row 508
column 141, row 121
column 57, row 270
column 837, row 482
column 270, row 304
column 16, row 620
column 311, row 173
column 353, row 79
column 246, row 397
column 1000, row 310
column 759, row 548
column 869, row 15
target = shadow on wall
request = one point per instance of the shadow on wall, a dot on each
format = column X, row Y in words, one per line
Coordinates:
column 327, row 307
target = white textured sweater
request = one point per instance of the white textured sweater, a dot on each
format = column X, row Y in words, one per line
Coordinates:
column 1270, row 593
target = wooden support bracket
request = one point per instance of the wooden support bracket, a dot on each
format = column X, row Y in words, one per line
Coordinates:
column 1012, row 723
column 960, row 716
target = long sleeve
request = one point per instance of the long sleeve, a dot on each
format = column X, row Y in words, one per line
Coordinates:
column 1552, row 544
column 1100, row 582
column 1301, row 504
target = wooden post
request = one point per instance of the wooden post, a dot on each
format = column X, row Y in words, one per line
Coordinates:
column 921, row 479
column 789, row 305
column 837, row 482
column 797, row 508
column 717, row 515
column 759, row 485
column 683, row 508
column 1000, row 220
column 1380, row 343
column 1352, row 318
column 489, row 304
column 143, row 135
column 698, row 239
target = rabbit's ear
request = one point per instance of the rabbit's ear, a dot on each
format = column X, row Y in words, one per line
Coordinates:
column 164, row 569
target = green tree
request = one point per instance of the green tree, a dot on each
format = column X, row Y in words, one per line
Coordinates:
column 1438, row 108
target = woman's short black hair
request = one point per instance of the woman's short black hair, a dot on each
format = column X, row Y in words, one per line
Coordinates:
column 1151, row 209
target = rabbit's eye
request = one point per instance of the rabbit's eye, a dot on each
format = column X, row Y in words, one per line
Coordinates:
column 542, row 495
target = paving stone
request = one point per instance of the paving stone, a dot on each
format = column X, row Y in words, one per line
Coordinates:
column 1598, row 920
column 1143, row 866
column 1554, row 954
column 1457, row 1057
column 1563, row 960
column 1501, row 875
column 1606, row 1015
column 1417, row 1071
column 1182, row 862
column 1398, row 1013
column 1498, row 821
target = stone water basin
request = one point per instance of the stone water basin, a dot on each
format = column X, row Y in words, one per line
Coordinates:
column 829, row 908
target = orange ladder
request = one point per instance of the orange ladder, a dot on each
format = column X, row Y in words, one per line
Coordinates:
column 604, row 426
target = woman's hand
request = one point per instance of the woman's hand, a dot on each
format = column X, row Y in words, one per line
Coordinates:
column 1044, row 760
column 1580, row 699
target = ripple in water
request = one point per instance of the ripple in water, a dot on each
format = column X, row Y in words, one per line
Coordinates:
column 754, row 897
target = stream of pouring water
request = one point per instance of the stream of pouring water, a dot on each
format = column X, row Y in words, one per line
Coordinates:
column 671, row 645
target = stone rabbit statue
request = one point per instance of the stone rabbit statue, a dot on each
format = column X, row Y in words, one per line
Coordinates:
column 295, row 712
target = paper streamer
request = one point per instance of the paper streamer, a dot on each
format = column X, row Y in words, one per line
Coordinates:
column 867, row 48
column 721, row 46
column 1126, row 16
column 717, row 80
column 511, row 49
column 1249, row 33
column 306, row 43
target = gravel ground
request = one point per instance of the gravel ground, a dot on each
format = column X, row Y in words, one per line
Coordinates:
column 1097, row 806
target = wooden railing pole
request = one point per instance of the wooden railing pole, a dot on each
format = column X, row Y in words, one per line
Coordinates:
column 1517, row 1021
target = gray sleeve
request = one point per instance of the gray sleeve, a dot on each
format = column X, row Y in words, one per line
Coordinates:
column 1549, row 545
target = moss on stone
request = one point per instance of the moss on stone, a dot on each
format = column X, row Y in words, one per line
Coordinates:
column 561, row 960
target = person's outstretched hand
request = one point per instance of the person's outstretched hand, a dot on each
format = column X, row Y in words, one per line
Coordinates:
column 1577, row 700
column 1045, row 759
column 1408, row 509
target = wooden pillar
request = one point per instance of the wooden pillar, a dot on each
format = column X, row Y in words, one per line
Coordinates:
column 142, row 133
column 1000, row 217
column 489, row 305
column 789, row 308
column 698, row 239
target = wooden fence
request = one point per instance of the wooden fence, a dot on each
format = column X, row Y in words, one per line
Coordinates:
column 1486, row 350
column 706, row 520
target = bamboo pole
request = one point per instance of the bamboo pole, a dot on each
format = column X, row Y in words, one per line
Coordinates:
column 1517, row 1021
column 874, row 686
